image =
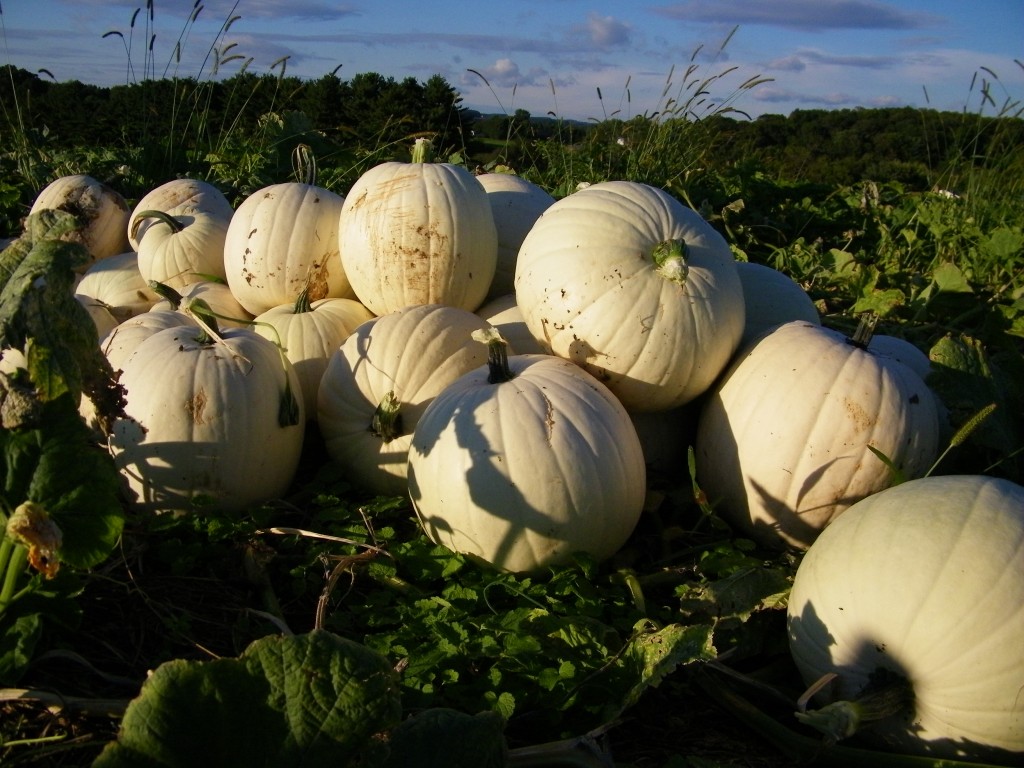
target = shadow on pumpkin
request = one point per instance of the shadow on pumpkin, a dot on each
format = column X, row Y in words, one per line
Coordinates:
column 178, row 476
column 863, row 663
column 530, row 535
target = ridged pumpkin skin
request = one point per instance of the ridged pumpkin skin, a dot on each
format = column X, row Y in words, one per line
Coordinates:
column 414, row 354
column 281, row 239
column 204, row 421
column 418, row 233
column 782, row 440
column 525, row 473
column 117, row 282
column 772, row 298
column 925, row 579
column 591, row 290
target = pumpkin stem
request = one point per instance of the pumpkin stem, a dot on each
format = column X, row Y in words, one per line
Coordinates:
column 387, row 418
column 865, row 330
column 886, row 694
column 163, row 216
column 497, row 355
column 422, row 150
column 207, row 320
column 670, row 260
column 166, row 293
column 302, row 302
column 304, row 164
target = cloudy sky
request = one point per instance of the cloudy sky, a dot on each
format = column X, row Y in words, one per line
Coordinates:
column 573, row 58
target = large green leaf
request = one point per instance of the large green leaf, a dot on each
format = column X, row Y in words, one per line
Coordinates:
column 58, row 465
column 310, row 700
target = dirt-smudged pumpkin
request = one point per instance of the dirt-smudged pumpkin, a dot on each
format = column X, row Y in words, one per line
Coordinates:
column 418, row 233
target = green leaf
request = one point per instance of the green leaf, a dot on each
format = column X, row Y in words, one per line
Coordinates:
column 58, row 464
column 949, row 279
column 334, row 694
column 18, row 641
column 305, row 701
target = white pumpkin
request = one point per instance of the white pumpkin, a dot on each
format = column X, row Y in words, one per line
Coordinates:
column 784, row 439
column 525, row 462
column 183, row 248
column 636, row 288
column 120, row 342
column 116, row 282
column 178, row 197
column 924, row 580
column 418, row 233
column 771, row 297
column 310, row 333
column 516, row 204
column 282, row 239
column 209, row 421
column 103, row 210
column 378, row 383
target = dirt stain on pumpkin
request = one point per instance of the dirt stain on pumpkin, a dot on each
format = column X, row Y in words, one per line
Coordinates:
column 196, row 405
column 860, row 417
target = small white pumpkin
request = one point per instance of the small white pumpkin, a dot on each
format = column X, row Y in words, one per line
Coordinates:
column 378, row 383
column 103, row 210
column 178, row 197
column 282, row 239
column 924, row 580
column 310, row 333
column 183, row 248
column 516, row 204
column 211, row 418
column 637, row 289
column 784, row 439
column 117, row 282
column 418, row 233
column 525, row 462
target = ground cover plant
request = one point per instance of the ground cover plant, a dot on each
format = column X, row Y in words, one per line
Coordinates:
column 324, row 627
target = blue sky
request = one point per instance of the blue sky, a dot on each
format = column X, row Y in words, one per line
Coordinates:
column 554, row 56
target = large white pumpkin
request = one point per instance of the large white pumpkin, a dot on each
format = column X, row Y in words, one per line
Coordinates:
column 381, row 379
column 636, row 288
column 784, row 439
column 418, row 233
column 772, row 298
column 924, row 580
column 208, row 421
column 525, row 462
column 284, row 238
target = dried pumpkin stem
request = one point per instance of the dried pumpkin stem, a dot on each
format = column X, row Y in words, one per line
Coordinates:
column 670, row 260
column 865, row 331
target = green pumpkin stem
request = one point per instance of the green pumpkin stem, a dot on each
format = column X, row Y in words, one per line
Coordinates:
column 498, row 371
column 207, row 319
column 163, row 216
column 865, row 331
column 387, row 418
column 886, row 694
column 302, row 302
column 422, row 150
column 166, row 293
column 670, row 260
